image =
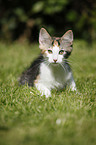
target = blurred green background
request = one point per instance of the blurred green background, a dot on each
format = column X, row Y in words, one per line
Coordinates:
column 22, row 20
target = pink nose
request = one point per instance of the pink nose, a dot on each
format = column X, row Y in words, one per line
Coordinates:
column 55, row 60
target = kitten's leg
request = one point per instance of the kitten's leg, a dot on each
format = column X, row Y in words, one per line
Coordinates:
column 43, row 90
column 73, row 85
column 71, row 82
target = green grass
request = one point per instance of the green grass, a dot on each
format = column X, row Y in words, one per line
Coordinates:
column 66, row 118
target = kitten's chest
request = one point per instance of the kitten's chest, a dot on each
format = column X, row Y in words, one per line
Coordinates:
column 53, row 76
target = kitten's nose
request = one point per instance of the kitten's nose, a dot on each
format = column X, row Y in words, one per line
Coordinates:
column 55, row 60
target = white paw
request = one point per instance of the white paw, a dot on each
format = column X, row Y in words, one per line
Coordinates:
column 46, row 92
column 43, row 90
column 73, row 86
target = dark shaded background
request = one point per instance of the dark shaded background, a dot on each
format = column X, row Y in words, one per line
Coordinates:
column 22, row 19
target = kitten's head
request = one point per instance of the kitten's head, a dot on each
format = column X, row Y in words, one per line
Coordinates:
column 55, row 49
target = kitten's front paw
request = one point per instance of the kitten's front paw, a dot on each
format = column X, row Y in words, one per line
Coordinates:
column 73, row 86
column 46, row 92
column 43, row 90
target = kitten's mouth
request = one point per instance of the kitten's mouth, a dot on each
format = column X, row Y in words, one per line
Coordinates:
column 55, row 63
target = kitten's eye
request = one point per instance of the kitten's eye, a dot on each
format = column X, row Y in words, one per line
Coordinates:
column 49, row 51
column 61, row 52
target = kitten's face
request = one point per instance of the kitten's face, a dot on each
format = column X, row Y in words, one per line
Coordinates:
column 54, row 54
column 55, row 49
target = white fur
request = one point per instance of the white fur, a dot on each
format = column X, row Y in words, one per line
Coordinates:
column 53, row 77
column 55, row 55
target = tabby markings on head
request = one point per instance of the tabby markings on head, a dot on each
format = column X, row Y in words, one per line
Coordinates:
column 56, row 41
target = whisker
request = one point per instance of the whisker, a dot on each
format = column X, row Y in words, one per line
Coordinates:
column 74, row 63
column 63, row 67
column 67, row 61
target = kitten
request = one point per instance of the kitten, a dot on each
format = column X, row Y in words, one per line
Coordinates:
column 51, row 69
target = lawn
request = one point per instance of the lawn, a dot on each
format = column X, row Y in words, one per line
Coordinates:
column 66, row 118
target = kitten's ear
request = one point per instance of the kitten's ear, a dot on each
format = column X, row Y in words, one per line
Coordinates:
column 66, row 41
column 68, row 36
column 45, row 39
